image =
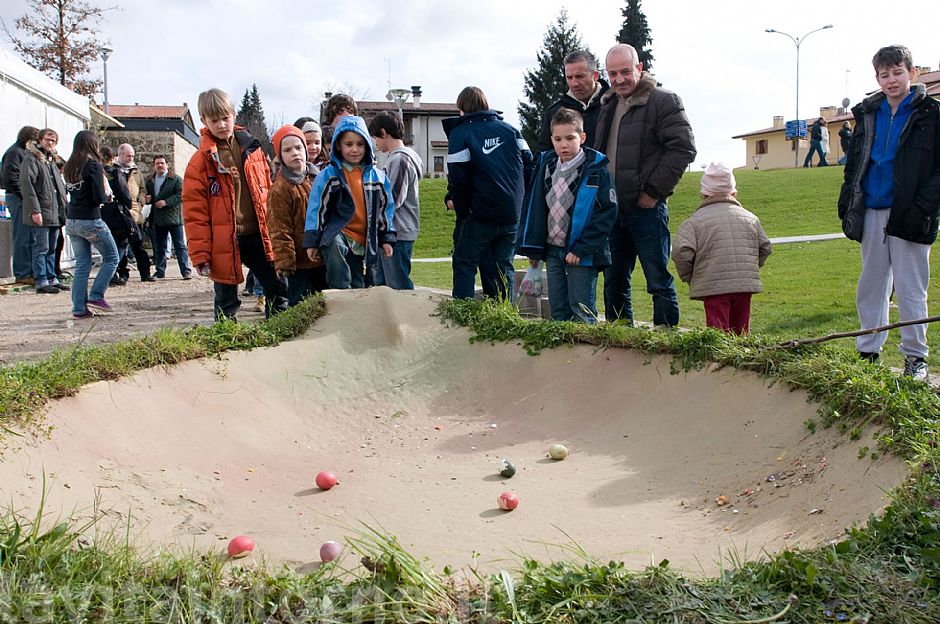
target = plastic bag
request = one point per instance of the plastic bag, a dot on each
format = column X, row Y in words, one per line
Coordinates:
column 145, row 211
column 531, row 284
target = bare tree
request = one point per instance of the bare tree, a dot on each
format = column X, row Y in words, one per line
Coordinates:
column 61, row 39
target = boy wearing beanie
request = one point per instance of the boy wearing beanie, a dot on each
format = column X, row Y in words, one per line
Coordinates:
column 287, row 212
column 719, row 251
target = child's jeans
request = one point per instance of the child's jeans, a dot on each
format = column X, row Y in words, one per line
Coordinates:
column 251, row 252
column 344, row 269
column 395, row 272
column 730, row 312
column 474, row 239
column 572, row 289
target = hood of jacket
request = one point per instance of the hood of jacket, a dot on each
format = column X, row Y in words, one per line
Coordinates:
column 412, row 156
column 450, row 123
column 568, row 100
column 37, row 151
column 352, row 123
column 640, row 95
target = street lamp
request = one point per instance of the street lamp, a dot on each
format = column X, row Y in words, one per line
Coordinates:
column 105, row 53
column 399, row 96
column 797, row 41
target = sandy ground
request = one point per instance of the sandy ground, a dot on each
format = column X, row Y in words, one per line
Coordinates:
column 32, row 325
column 414, row 420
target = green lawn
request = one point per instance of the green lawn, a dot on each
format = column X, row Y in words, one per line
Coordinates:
column 789, row 202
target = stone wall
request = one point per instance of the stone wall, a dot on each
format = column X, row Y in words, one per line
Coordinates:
column 148, row 144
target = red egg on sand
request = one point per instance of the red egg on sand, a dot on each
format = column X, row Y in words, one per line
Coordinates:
column 326, row 480
column 330, row 551
column 240, row 546
column 508, row 501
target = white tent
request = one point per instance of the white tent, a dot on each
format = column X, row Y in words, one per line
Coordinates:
column 30, row 98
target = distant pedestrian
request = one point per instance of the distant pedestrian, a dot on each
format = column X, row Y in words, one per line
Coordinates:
column 165, row 196
column 890, row 202
column 10, row 169
column 85, row 183
column 845, row 138
column 815, row 144
column 719, row 251
column 44, row 200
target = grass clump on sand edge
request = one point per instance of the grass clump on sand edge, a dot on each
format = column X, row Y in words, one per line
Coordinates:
column 26, row 387
column 887, row 571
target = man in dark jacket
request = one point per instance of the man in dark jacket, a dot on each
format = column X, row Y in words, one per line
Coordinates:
column 585, row 89
column 165, row 196
column 890, row 202
column 10, row 168
column 815, row 143
column 645, row 133
column 44, row 201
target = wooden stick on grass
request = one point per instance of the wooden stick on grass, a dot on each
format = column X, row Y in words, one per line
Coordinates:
column 796, row 343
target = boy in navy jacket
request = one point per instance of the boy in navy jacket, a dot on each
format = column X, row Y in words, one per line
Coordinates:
column 487, row 163
column 567, row 218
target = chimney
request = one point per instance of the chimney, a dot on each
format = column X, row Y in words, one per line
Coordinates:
column 778, row 121
column 416, row 95
column 327, row 95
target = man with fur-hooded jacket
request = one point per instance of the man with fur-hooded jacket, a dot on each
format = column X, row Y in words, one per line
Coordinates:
column 44, row 202
column 644, row 131
column 350, row 212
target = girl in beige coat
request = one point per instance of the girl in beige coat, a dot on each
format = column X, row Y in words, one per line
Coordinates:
column 719, row 251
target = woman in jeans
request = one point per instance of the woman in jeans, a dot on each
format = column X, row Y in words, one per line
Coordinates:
column 84, row 180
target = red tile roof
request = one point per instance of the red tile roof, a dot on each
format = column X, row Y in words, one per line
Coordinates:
column 147, row 111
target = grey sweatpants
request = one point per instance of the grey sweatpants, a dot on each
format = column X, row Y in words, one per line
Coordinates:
column 890, row 261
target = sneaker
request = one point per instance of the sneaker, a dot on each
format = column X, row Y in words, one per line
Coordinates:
column 83, row 315
column 188, row 275
column 47, row 289
column 62, row 286
column 259, row 306
column 117, row 281
column 101, row 304
column 915, row 368
column 872, row 357
column 148, row 278
column 159, row 276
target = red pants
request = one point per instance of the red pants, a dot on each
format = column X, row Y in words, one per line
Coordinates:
column 730, row 312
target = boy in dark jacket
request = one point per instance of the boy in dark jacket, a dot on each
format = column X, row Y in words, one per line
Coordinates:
column 487, row 165
column 567, row 218
column 350, row 212
column 890, row 201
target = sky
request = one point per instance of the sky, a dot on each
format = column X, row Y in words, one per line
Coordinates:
column 732, row 76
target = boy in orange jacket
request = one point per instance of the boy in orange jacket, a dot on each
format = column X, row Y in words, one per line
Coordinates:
column 225, row 192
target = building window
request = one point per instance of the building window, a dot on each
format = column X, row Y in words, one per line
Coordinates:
column 761, row 147
column 438, row 164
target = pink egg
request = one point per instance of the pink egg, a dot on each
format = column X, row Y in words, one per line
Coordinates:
column 240, row 546
column 330, row 551
column 508, row 501
column 326, row 480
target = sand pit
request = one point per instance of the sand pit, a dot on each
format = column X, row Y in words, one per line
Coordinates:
column 414, row 419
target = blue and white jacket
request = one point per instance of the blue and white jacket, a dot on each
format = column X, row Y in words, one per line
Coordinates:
column 592, row 216
column 487, row 166
column 330, row 206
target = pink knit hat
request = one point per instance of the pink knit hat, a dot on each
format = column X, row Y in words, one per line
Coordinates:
column 718, row 180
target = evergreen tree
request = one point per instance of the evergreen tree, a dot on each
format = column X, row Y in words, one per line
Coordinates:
column 636, row 32
column 251, row 116
column 60, row 38
column 545, row 83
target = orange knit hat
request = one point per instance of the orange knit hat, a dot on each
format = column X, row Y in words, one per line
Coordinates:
column 284, row 132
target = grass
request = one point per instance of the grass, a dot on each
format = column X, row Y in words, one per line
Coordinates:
column 789, row 202
column 885, row 571
column 888, row 571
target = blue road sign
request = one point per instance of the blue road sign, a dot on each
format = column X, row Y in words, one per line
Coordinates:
column 796, row 129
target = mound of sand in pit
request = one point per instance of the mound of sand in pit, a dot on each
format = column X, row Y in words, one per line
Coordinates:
column 413, row 419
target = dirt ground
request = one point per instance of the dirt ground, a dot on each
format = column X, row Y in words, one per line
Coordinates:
column 32, row 325
column 414, row 420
